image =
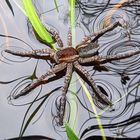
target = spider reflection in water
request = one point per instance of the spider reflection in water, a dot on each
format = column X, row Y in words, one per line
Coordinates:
column 71, row 59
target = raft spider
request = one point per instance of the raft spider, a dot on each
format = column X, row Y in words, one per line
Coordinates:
column 71, row 59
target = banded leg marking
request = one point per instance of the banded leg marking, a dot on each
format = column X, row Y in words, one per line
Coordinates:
column 31, row 53
column 56, row 37
column 42, row 79
column 99, row 94
column 69, row 38
column 64, row 91
column 105, row 59
column 88, row 39
column 108, row 58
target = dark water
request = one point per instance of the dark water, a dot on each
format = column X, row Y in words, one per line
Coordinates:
column 118, row 79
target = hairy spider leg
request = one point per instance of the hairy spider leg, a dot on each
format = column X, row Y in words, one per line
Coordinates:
column 69, row 38
column 31, row 53
column 56, row 36
column 108, row 58
column 51, row 73
column 64, row 91
column 44, row 54
column 105, row 30
column 88, row 39
column 99, row 94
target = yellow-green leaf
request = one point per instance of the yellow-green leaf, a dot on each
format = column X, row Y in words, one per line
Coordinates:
column 70, row 133
column 36, row 23
column 73, row 113
column 93, row 107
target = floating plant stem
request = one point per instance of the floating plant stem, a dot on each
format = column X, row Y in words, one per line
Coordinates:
column 73, row 113
column 56, row 5
column 94, row 108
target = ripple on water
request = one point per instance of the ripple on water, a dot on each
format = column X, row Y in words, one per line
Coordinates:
column 106, row 18
column 129, row 65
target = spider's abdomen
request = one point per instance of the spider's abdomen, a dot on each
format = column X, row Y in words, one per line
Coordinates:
column 67, row 54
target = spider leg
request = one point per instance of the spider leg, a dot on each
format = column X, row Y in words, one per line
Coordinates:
column 56, row 37
column 99, row 94
column 34, row 53
column 51, row 73
column 69, row 38
column 105, row 30
column 64, row 91
column 108, row 58
column 89, row 39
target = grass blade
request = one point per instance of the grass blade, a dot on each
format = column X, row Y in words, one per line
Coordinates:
column 70, row 133
column 93, row 107
column 56, row 6
column 73, row 113
column 36, row 23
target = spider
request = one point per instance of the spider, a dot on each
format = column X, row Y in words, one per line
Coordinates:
column 71, row 59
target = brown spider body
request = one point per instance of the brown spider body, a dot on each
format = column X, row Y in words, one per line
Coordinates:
column 67, row 55
column 69, row 58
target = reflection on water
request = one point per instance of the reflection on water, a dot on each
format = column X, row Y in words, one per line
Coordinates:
column 122, row 80
column 118, row 79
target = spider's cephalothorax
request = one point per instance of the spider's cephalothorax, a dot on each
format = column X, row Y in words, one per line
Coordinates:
column 67, row 55
column 71, row 59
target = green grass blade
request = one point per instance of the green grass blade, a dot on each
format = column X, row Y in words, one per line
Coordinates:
column 56, row 6
column 70, row 133
column 73, row 105
column 36, row 23
column 94, row 108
